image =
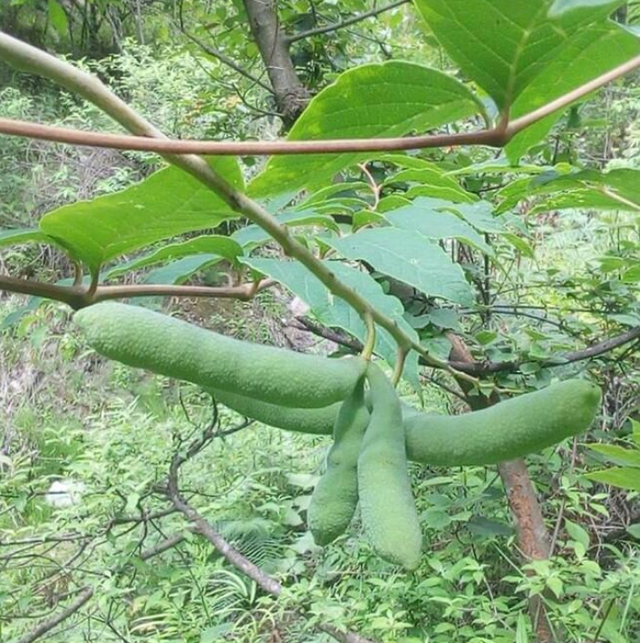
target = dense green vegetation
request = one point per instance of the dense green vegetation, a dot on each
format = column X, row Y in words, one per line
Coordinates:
column 482, row 272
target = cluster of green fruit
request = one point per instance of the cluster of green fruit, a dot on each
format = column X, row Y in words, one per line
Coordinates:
column 352, row 399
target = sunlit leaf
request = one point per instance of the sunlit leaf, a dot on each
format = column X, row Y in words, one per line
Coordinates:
column 379, row 100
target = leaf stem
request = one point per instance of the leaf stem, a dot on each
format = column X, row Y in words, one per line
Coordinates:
column 370, row 345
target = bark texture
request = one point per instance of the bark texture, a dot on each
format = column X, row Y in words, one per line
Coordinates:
column 534, row 540
column 291, row 95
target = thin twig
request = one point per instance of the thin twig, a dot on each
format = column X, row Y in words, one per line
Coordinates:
column 318, row 31
column 224, row 59
column 597, row 350
column 49, row 624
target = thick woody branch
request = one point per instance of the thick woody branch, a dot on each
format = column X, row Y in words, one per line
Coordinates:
column 496, row 137
column 46, row 626
column 533, row 536
column 318, row 31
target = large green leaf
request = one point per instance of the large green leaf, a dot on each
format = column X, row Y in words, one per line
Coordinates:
column 561, row 7
column 504, row 44
column 428, row 221
column 432, row 182
column 179, row 271
column 22, row 235
column 410, row 258
column 253, row 235
column 390, row 99
column 225, row 247
column 168, row 203
column 479, row 215
column 618, row 454
column 585, row 56
column 334, row 312
column 623, row 477
column 587, row 189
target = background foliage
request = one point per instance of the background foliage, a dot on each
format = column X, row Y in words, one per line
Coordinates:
column 527, row 264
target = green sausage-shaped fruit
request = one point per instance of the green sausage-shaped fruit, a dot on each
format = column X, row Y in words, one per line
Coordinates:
column 511, row 429
column 508, row 430
column 313, row 421
column 335, row 497
column 387, row 506
column 142, row 338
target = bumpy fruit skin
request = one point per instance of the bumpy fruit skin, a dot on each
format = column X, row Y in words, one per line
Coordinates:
column 387, row 506
column 312, row 421
column 335, row 497
column 508, row 430
column 145, row 339
column 511, row 429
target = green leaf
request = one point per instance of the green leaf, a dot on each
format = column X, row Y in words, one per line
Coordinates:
column 421, row 217
column 215, row 634
column 577, row 533
column 179, row 271
column 333, row 312
column 624, row 183
column 586, row 55
column 58, row 17
column 504, row 45
column 623, row 477
column 432, row 182
column 479, row 215
column 482, row 526
column 436, row 519
column 379, row 100
column 254, row 235
column 168, row 203
column 410, row 258
column 338, row 189
column 225, row 247
column 522, row 632
column 561, row 7
column 634, row 530
column 588, row 189
column 520, row 244
column 618, row 454
column 498, row 167
column 22, row 235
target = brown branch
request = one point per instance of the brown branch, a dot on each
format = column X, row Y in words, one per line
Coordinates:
column 496, row 137
column 162, row 546
column 533, row 537
column 267, row 583
column 291, row 95
column 78, row 297
column 202, row 526
column 71, row 296
column 225, row 60
column 244, row 292
column 49, row 624
column 318, row 31
column 30, row 59
column 597, row 350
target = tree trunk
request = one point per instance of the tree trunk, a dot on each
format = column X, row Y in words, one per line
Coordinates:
column 534, row 540
column 291, row 96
